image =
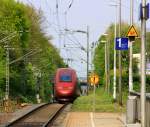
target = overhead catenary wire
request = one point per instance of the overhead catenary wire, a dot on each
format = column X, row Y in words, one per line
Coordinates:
column 58, row 22
column 74, row 41
column 59, row 27
column 58, row 31
column 53, row 26
column 24, row 56
column 77, row 41
column 65, row 14
column 50, row 24
column 74, row 53
column 70, row 5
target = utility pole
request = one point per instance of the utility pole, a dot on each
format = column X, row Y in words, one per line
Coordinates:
column 7, row 73
column 120, row 66
column 10, row 36
column 108, row 64
column 92, row 55
column 107, row 70
column 87, row 52
column 143, row 75
column 115, row 33
column 38, row 82
column 131, row 50
column 106, row 67
column 8, row 63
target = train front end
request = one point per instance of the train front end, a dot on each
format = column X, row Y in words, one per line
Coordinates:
column 65, row 86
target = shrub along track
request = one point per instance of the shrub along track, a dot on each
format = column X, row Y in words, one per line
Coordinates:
column 42, row 116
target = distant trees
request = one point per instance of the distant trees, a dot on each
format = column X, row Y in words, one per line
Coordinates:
column 99, row 58
column 20, row 25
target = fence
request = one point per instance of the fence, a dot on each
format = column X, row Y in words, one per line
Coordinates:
column 138, row 107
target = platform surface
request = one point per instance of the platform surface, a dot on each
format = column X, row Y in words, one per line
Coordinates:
column 86, row 119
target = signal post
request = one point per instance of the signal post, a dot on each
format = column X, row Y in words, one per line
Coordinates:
column 94, row 80
column 132, row 33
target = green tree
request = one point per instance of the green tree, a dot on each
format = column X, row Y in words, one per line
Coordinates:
column 23, row 24
column 99, row 58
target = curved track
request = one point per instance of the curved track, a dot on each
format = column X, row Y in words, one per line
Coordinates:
column 41, row 117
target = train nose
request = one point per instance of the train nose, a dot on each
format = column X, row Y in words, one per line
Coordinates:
column 65, row 90
column 65, row 87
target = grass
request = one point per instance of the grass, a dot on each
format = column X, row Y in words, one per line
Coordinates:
column 11, row 106
column 103, row 103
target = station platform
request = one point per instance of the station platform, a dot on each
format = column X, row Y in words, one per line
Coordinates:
column 89, row 119
column 73, row 119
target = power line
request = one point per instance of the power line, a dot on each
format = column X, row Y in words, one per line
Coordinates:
column 74, row 42
column 77, row 40
column 58, row 22
column 75, row 54
column 70, row 5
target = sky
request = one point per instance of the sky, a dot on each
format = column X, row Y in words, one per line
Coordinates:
column 97, row 14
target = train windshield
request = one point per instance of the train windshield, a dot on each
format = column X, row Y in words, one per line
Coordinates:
column 65, row 78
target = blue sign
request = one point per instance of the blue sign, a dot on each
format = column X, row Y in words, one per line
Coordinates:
column 121, row 43
column 147, row 10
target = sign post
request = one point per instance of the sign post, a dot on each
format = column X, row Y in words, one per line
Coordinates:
column 94, row 79
column 143, row 61
column 132, row 33
column 121, row 44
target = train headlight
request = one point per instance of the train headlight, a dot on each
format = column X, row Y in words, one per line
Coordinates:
column 70, row 87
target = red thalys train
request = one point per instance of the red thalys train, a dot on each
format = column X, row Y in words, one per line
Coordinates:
column 66, row 85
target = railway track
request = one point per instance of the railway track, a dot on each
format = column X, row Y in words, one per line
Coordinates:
column 43, row 116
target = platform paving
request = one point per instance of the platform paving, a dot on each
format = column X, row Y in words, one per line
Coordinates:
column 6, row 118
column 75, row 119
column 89, row 119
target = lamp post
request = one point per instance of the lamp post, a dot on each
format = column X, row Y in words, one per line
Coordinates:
column 87, row 52
column 131, row 51
column 106, row 65
column 115, row 34
column 120, row 57
column 93, row 45
column 143, row 75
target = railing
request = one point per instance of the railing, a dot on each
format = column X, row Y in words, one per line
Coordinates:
column 138, row 107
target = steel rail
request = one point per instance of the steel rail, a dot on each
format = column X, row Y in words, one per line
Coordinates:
column 55, row 116
column 44, row 123
column 26, row 115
